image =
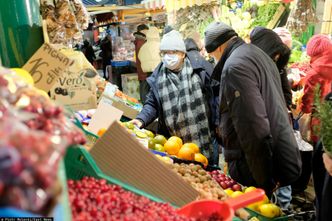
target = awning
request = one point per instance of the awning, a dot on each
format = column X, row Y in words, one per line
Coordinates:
column 154, row 4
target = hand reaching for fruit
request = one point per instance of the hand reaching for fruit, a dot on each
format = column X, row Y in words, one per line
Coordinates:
column 137, row 122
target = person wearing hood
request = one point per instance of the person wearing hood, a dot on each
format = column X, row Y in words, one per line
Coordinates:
column 269, row 41
column 179, row 96
column 149, row 56
column 140, row 39
column 259, row 143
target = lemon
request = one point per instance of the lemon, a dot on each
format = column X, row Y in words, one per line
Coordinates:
column 25, row 76
column 249, row 189
column 255, row 206
column 42, row 93
column 167, row 160
column 269, row 210
column 229, row 192
column 236, row 194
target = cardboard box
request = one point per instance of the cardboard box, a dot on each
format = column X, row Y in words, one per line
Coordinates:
column 130, row 85
column 121, row 156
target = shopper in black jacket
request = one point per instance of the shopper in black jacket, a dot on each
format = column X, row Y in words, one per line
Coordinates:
column 271, row 44
column 260, row 147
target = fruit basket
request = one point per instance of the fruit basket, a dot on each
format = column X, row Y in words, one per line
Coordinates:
column 79, row 163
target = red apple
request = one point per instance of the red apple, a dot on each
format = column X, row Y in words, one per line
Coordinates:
column 236, row 187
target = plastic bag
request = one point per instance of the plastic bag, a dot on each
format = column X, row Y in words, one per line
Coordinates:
column 34, row 134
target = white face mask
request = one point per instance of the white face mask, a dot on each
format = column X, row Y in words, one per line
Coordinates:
column 171, row 61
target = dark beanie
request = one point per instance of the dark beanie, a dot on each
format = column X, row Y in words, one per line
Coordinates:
column 142, row 27
column 216, row 34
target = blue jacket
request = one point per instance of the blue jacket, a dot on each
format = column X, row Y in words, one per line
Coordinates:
column 152, row 108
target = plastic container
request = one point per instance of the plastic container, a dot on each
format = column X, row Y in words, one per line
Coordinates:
column 224, row 209
column 79, row 163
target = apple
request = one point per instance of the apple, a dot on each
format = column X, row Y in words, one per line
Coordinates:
column 236, row 187
column 224, row 185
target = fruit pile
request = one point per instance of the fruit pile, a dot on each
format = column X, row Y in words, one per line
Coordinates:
column 173, row 146
column 34, row 134
column 264, row 207
column 93, row 199
column 225, row 181
column 200, row 180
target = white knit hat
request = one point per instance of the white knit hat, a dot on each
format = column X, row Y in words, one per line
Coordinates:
column 172, row 41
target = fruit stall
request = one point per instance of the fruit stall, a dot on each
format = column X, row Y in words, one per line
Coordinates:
column 123, row 173
column 69, row 151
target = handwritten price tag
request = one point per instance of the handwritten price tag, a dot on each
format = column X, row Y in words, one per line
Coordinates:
column 46, row 66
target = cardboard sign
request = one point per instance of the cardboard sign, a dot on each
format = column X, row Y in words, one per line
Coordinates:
column 76, row 88
column 121, row 156
column 46, row 66
column 104, row 116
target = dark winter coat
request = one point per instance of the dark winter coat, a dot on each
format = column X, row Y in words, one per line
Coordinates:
column 271, row 44
column 153, row 108
column 255, row 130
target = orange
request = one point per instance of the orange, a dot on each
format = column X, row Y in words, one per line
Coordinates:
column 101, row 132
column 172, row 147
column 201, row 158
column 176, row 139
column 192, row 146
column 186, row 153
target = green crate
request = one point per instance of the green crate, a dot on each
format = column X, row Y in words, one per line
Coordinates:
column 79, row 163
column 263, row 218
column 64, row 200
column 91, row 137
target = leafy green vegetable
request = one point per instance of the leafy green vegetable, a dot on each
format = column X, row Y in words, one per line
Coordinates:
column 265, row 14
column 323, row 111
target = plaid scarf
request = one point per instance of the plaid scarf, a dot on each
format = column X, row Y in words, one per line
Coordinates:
column 184, row 107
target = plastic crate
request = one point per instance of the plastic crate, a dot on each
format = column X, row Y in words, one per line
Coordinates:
column 79, row 163
column 263, row 218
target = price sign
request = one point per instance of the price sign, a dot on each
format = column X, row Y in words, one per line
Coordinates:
column 46, row 66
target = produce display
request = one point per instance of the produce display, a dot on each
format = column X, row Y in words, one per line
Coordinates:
column 93, row 199
column 34, row 134
column 174, row 146
column 224, row 181
column 198, row 178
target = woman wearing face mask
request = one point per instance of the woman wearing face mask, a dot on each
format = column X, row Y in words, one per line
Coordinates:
column 180, row 96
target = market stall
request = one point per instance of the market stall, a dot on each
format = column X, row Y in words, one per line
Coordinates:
column 79, row 157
